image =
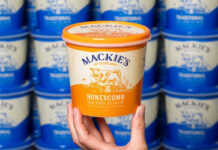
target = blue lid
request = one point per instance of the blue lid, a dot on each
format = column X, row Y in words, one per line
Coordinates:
column 41, row 145
column 150, row 91
column 207, row 34
column 8, row 34
column 52, row 93
column 27, row 143
column 213, row 91
column 155, row 32
column 17, row 90
column 172, row 146
column 36, row 33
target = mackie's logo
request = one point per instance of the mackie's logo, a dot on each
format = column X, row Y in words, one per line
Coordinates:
column 196, row 104
column 55, row 46
column 106, row 57
column 8, row 47
column 193, row 45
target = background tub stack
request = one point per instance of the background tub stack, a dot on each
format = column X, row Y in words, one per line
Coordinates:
column 48, row 54
column 142, row 12
column 191, row 40
column 14, row 86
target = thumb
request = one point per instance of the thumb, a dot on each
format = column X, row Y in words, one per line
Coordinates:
column 138, row 126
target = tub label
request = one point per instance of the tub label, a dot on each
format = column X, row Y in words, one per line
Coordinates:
column 128, row 10
column 13, row 112
column 151, row 54
column 10, row 7
column 192, row 60
column 194, row 120
column 106, row 78
column 192, row 14
column 53, row 112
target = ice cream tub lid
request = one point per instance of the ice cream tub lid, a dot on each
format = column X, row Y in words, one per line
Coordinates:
column 106, row 34
column 9, row 34
column 151, row 91
column 37, row 33
column 17, row 90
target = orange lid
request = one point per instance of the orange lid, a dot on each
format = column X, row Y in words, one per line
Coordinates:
column 106, row 34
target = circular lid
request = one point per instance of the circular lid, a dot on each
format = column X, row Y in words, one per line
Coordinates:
column 17, row 90
column 8, row 34
column 206, row 34
column 36, row 33
column 106, row 34
column 149, row 91
column 52, row 93
column 191, row 92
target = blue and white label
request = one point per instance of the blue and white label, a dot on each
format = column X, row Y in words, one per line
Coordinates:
column 52, row 64
column 137, row 11
column 192, row 14
column 53, row 120
column 150, row 61
column 11, row 14
column 14, row 122
column 192, row 121
column 121, row 126
column 57, row 14
column 192, row 61
column 12, row 62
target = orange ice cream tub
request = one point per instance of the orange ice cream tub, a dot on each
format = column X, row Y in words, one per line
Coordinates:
column 106, row 66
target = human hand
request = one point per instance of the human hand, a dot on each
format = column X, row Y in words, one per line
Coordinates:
column 86, row 135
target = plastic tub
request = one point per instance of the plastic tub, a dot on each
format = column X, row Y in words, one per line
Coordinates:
column 121, row 126
column 151, row 59
column 191, row 59
column 96, row 10
column 109, row 66
column 192, row 121
column 135, row 11
column 52, row 107
column 13, row 50
column 11, row 14
column 52, row 61
column 15, row 117
column 55, row 15
column 192, row 15
column 31, row 14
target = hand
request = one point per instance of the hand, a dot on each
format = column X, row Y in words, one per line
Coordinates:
column 86, row 135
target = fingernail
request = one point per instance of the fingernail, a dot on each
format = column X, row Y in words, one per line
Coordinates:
column 141, row 111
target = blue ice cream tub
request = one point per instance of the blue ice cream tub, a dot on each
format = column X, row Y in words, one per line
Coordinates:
column 57, row 14
column 192, row 15
column 161, row 13
column 15, row 117
column 151, row 59
column 51, row 60
column 52, row 108
column 192, row 120
column 11, row 14
column 96, row 10
column 13, row 51
column 32, row 62
column 31, row 14
column 141, row 12
column 121, row 126
column 191, row 59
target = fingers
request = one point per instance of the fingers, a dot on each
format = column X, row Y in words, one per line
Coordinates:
column 91, row 127
column 105, row 131
column 138, row 127
column 71, row 124
column 84, row 138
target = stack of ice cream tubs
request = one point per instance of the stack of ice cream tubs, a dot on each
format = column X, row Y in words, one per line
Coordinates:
column 191, row 40
column 141, row 12
column 14, row 86
column 52, row 87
